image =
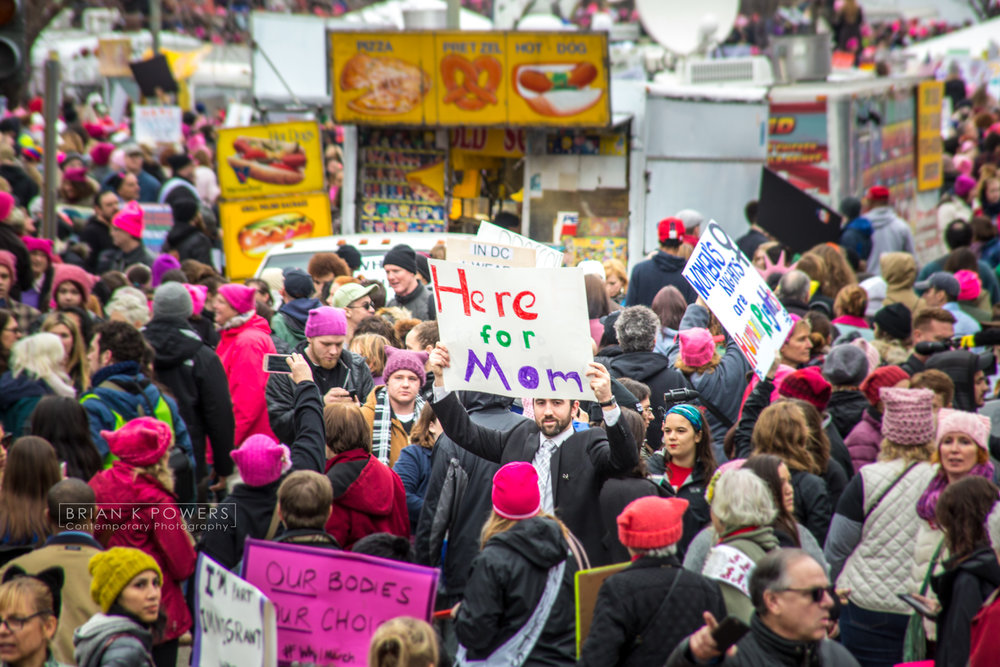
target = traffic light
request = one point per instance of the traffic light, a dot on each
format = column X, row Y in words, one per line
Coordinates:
column 13, row 59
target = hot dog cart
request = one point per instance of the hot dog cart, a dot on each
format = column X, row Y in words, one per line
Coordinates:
column 447, row 128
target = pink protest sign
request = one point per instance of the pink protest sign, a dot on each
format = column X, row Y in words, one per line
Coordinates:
column 329, row 603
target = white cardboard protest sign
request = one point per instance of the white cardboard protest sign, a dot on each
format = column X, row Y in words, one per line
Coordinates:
column 484, row 253
column 741, row 300
column 547, row 257
column 157, row 125
column 235, row 623
column 514, row 332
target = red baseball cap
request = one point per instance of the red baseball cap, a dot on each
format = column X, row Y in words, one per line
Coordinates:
column 671, row 229
column 878, row 192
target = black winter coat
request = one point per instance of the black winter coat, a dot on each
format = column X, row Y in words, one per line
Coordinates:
column 846, row 408
column 838, row 450
column 616, row 494
column 697, row 515
column 506, row 584
column 9, row 240
column 961, row 590
column 763, row 648
column 190, row 243
column 464, row 518
column 194, row 375
column 351, row 373
column 655, row 371
column 651, row 275
column 248, row 509
column 97, row 236
column 579, row 466
column 812, row 503
column 636, row 624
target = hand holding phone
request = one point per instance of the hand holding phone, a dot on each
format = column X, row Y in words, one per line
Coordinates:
column 729, row 631
column 921, row 605
column 276, row 363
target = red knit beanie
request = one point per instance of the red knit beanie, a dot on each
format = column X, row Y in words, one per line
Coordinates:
column 652, row 522
column 809, row 385
column 885, row 376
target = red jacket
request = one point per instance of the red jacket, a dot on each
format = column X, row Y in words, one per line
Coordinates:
column 984, row 646
column 242, row 351
column 368, row 498
column 136, row 511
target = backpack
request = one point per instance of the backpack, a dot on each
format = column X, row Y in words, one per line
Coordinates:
column 184, row 484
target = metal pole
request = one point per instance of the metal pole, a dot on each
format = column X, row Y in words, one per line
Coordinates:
column 155, row 23
column 451, row 18
column 51, row 110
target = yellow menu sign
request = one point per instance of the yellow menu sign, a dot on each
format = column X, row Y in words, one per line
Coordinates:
column 252, row 227
column 471, row 78
column 930, row 147
column 264, row 160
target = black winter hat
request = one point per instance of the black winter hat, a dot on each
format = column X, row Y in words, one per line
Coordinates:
column 184, row 210
column 896, row 320
column 178, row 161
column 350, row 254
column 298, row 284
column 402, row 256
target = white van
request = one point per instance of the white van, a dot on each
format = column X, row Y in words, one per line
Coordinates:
column 373, row 247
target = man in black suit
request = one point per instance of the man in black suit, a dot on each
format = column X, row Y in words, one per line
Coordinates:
column 572, row 465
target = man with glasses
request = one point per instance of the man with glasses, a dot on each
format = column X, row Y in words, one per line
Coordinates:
column 794, row 612
column 24, row 315
column 357, row 303
column 340, row 375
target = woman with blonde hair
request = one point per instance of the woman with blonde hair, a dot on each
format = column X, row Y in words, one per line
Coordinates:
column 37, row 370
column 403, row 642
column 75, row 364
column 615, row 280
column 849, row 308
column 30, row 605
column 31, row 469
column 518, row 606
column 372, row 347
column 140, row 485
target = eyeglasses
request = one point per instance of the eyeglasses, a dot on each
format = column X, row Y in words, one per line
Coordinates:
column 16, row 623
column 648, row 409
column 816, row 592
column 367, row 305
column 14, row 330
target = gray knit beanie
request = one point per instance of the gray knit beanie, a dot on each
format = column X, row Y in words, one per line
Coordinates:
column 172, row 301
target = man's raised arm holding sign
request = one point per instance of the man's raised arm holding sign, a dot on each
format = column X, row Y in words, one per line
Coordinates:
column 571, row 466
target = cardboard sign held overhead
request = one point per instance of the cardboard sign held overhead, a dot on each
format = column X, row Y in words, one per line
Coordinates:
column 154, row 74
column 483, row 253
column 793, row 217
column 741, row 300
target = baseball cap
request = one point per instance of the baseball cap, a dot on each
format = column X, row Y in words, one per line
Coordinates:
column 671, row 229
column 878, row 192
column 941, row 280
column 132, row 149
column 349, row 293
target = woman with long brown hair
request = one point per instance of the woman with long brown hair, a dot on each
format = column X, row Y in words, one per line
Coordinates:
column 838, row 272
column 32, row 468
column 414, row 463
column 519, row 599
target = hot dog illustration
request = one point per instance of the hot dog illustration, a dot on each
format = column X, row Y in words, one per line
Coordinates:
column 276, row 162
column 557, row 89
column 257, row 237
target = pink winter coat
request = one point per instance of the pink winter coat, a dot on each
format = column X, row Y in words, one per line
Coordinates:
column 242, row 351
column 864, row 441
column 136, row 511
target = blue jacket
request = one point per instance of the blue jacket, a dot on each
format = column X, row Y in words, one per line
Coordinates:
column 414, row 467
column 857, row 236
column 149, row 187
column 18, row 398
column 102, row 403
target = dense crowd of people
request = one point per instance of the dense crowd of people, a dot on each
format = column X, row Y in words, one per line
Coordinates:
column 839, row 509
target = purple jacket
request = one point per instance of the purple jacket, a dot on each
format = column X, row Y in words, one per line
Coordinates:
column 864, row 439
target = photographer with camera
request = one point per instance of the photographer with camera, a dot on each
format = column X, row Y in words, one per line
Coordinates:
column 930, row 325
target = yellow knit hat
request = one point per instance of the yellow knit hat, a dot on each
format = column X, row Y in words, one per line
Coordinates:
column 111, row 571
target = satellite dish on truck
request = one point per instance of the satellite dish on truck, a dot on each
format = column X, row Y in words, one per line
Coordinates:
column 686, row 27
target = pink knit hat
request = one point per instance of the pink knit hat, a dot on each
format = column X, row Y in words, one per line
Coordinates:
column 909, row 415
column 7, row 259
column 515, row 491
column 140, row 442
column 240, row 297
column 884, row 376
column 130, row 220
column 327, row 321
column 697, row 346
column 964, row 184
column 809, row 385
column 39, row 245
column 199, row 293
column 975, row 426
column 874, row 359
column 6, row 204
column 405, row 360
column 969, row 285
column 652, row 522
column 261, row 460
column 74, row 274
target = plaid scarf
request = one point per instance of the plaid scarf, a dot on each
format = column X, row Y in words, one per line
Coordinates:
column 382, row 424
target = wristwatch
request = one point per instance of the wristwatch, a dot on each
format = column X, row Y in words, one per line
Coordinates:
column 609, row 403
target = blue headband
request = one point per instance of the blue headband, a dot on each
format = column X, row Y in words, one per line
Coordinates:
column 689, row 412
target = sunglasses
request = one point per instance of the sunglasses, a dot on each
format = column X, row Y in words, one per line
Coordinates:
column 816, row 593
column 368, row 305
